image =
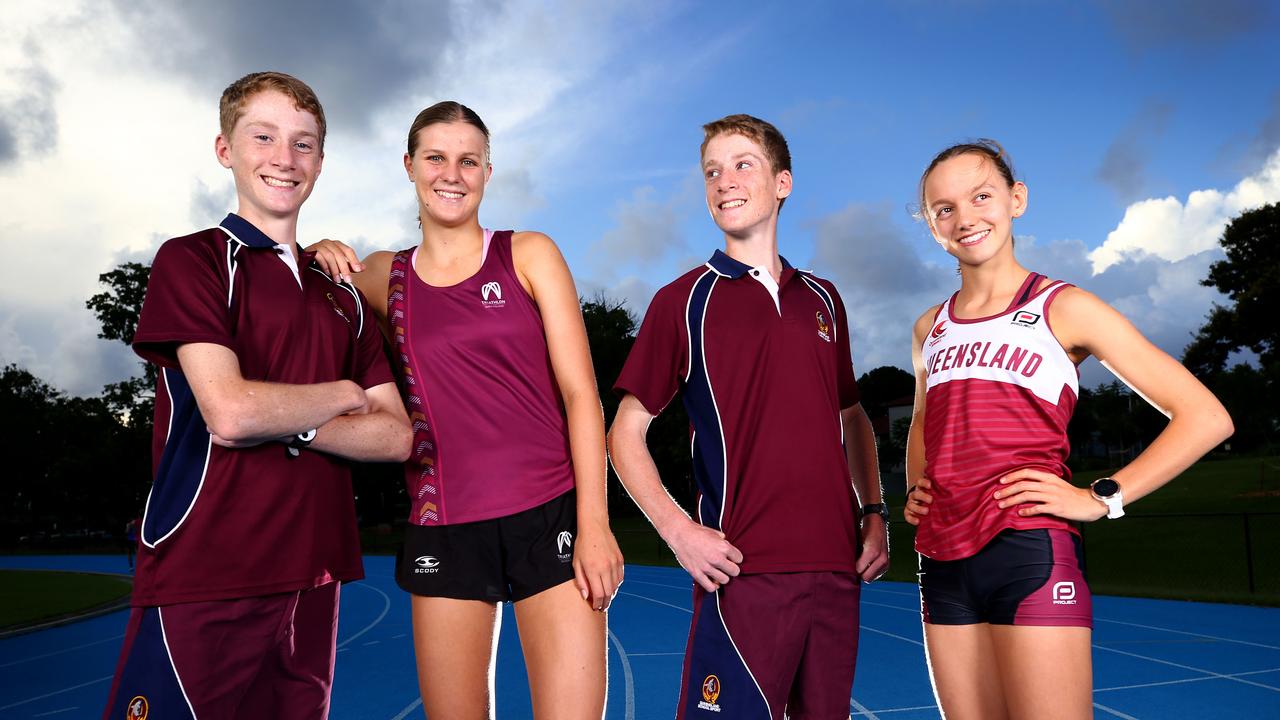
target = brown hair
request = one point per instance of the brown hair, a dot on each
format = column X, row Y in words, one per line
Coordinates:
column 987, row 148
column 762, row 132
column 447, row 111
column 237, row 94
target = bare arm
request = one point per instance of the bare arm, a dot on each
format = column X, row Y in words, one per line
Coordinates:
column 247, row 412
column 382, row 434
column 1197, row 421
column 704, row 553
column 597, row 560
column 918, row 486
column 864, row 469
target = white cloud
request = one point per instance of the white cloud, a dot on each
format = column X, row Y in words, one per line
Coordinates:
column 134, row 127
column 1172, row 230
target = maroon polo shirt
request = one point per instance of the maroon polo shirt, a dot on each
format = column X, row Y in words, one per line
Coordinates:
column 764, row 374
column 224, row 523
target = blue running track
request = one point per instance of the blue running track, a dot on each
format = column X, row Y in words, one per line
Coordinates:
column 1152, row 659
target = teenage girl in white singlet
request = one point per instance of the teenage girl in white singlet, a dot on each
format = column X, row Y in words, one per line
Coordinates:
column 1001, row 386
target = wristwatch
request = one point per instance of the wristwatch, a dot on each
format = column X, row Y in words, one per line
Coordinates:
column 299, row 441
column 1107, row 491
column 879, row 508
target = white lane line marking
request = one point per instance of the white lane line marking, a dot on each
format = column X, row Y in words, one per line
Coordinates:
column 659, row 602
column 896, row 710
column 686, row 588
column 1188, row 667
column 59, row 652
column 896, row 637
column 1184, row 680
column 915, row 610
column 629, row 687
column 1192, row 634
column 1113, row 711
column 386, row 607
column 405, row 712
column 55, row 692
column 862, row 710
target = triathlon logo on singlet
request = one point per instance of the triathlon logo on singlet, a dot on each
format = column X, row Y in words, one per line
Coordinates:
column 564, row 543
column 138, row 709
column 427, row 565
column 1024, row 318
column 491, row 294
column 1064, row 593
column 824, row 330
column 710, row 694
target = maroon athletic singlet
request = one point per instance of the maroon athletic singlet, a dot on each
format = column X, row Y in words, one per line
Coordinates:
column 490, row 434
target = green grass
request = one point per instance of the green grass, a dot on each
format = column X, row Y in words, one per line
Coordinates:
column 30, row 596
column 1147, row 553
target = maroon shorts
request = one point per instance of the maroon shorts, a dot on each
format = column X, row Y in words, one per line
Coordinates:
column 269, row 656
column 772, row 642
column 1021, row 577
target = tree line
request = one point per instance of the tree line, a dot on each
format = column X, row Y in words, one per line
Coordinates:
column 82, row 466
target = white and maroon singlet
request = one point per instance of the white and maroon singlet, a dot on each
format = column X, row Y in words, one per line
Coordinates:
column 999, row 393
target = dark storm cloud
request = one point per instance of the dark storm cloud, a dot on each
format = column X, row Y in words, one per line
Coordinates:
column 1124, row 166
column 355, row 55
column 210, row 205
column 1267, row 141
column 1150, row 23
column 28, row 122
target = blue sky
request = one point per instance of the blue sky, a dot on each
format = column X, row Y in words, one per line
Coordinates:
column 1140, row 127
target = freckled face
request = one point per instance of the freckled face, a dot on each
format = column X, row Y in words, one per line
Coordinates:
column 449, row 169
column 743, row 192
column 274, row 154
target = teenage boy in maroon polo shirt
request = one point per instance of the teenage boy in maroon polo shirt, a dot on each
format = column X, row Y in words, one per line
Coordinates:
column 760, row 354
column 272, row 376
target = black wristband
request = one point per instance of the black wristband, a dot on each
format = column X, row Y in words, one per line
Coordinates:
column 879, row 508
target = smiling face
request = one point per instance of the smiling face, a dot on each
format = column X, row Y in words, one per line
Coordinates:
column 449, row 168
column 970, row 207
column 274, row 153
column 743, row 192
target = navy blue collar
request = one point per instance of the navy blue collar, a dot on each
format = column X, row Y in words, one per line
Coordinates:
column 245, row 232
column 728, row 267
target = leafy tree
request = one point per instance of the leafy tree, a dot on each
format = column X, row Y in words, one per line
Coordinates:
column 1250, row 277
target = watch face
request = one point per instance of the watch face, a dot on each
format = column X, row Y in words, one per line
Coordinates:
column 1106, row 487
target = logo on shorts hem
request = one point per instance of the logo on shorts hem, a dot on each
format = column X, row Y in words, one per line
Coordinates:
column 138, row 708
column 710, row 694
column 1064, row 593
column 427, row 565
column 564, row 546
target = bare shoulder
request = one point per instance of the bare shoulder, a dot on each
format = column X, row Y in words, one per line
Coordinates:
column 379, row 263
column 924, row 323
column 532, row 243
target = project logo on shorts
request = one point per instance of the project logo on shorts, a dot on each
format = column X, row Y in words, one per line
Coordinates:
column 1064, row 593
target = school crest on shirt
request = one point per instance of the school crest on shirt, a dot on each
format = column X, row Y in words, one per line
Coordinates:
column 491, row 294
column 333, row 302
column 710, row 694
column 138, row 709
column 824, row 329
